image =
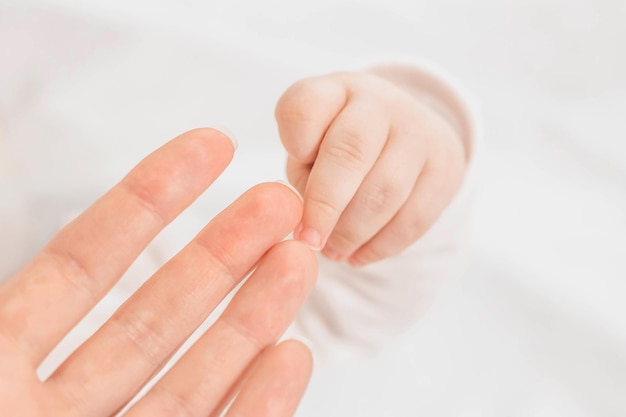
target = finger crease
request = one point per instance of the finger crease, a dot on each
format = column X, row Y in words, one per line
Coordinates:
column 151, row 343
column 348, row 153
column 74, row 271
column 222, row 263
column 244, row 332
column 148, row 205
column 326, row 206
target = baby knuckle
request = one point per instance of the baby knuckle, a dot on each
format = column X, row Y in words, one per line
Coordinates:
column 325, row 205
column 298, row 101
column 347, row 152
column 382, row 197
column 412, row 230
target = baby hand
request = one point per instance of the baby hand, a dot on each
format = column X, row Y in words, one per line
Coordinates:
column 375, row 164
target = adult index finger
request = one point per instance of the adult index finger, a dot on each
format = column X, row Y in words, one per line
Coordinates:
column 80, row 265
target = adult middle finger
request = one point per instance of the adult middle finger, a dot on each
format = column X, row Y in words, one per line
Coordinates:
column 143, row 333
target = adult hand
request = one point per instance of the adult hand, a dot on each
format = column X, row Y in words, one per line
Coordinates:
column 375, row 164
column 81, row 264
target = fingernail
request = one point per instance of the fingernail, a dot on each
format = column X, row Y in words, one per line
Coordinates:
column 312, row 238
column 305, row 342
column 229, row 134
column 356, row 262
column 291, row 187
column 332, row 254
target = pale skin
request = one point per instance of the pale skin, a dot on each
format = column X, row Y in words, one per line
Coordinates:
column 375, row 166
column 57, row 288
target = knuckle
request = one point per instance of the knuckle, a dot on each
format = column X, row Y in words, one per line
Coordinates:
column 220, row 257
column 323, row 204
column 245, row 330
column 73, row 269
column 143, row 195
column 382, row 197
column 297, row 101
column 141, row 332
column 348, row 151
column 411, row 230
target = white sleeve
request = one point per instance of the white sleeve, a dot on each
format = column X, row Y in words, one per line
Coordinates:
column 355, row 311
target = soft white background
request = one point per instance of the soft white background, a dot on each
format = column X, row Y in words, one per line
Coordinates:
column 537, row 326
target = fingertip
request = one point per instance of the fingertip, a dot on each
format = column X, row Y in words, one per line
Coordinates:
column 215, row 146
column 277, row 383
column 363, row 257
column 356, row 262
column 279, row 199
column 297, row 256
column 292, row 188
column 298, row 350
column 228, row 133
column 304, row 112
